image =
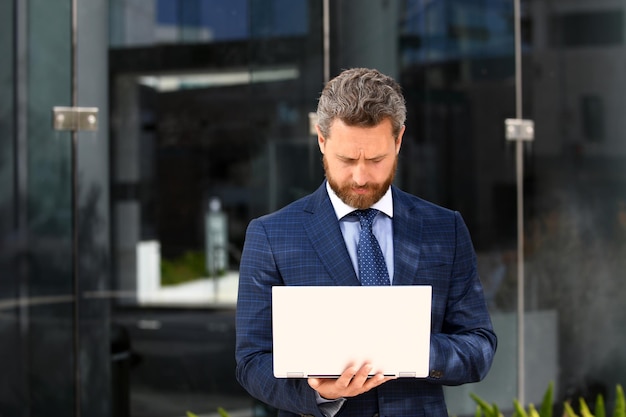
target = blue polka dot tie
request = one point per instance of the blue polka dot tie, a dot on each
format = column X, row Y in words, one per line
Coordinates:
column 372, row 267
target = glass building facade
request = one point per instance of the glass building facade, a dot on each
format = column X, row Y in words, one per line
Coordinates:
column 120, row 247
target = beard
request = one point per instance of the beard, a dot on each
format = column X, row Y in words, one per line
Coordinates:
column 360, row 201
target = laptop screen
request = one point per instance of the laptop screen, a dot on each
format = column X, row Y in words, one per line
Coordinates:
column 319, row 331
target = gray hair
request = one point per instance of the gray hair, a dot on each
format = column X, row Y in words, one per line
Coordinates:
column 361, row 97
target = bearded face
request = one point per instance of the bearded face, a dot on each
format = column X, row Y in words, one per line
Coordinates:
column 359, row 196
column 360, row 162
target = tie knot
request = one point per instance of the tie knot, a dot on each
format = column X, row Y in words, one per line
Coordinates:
column 366, row 217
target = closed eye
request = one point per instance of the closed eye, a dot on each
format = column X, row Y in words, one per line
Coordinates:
column 347, row 160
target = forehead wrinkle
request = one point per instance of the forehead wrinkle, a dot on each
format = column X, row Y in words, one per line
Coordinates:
column 361, row 153
column 348, row 156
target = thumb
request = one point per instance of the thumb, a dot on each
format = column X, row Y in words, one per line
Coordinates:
column 314, row 382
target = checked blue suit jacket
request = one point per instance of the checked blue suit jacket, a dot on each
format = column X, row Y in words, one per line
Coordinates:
column 302, row 244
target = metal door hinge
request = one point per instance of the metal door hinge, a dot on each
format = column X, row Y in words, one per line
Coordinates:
column 519, row 129
column 75, row 118
column 312, row 123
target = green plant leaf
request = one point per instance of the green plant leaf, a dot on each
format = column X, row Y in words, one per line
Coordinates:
column 600, row 410
column 532, row 411
column 546, row 403
column 584, row 409
column 620, row 404
column 222, row 412
column 488, row 409
column 519, row 410
column 569, row 410
column 496, row 410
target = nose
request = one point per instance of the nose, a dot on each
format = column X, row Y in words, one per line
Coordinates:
column 359, row 174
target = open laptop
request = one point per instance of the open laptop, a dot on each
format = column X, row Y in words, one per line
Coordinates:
column 320, row 331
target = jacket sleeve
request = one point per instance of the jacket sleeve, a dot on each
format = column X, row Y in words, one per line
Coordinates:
column 253, row 352
column 463, row 342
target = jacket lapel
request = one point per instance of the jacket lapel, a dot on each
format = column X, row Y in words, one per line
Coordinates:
column 407, row 235
column 323, row 230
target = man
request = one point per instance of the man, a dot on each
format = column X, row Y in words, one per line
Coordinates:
column 315, row 241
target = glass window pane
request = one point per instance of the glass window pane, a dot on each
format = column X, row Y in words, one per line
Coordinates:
column 12, row 375
column 209, row 110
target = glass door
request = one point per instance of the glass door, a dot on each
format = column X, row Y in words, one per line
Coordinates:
column 37, row 310
column 209, row 109
column 55, row 351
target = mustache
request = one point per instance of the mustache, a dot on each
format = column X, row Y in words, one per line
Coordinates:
column 362, row 187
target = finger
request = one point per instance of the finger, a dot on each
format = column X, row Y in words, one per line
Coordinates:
column 346, row 377
column 365, row 369
column 314, row 382
column 377, row 380
column 362, row 375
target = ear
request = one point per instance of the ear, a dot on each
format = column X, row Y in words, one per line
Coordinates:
column 321, row 141
column 399, row 139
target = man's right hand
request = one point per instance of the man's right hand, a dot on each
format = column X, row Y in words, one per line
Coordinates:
column 352, row 382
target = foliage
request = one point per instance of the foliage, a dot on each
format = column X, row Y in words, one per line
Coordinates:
column 491, row 410
column 483, row 408
column 220, row 411
column 620, row 403
column 190, row 266
column 599, row 409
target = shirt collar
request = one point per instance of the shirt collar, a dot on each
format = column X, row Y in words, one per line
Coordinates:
column 385, row 204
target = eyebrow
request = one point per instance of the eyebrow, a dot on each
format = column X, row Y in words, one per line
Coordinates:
column 348, row 158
